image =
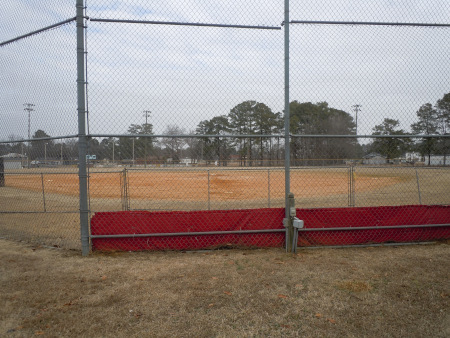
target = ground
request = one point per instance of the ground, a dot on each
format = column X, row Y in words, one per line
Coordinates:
column 391, row 291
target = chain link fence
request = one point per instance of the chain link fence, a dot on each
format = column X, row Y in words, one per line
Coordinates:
column 187, row 106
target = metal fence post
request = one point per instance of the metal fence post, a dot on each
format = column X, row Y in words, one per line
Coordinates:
column 124, row 190
column 418, row 186
column 287, row 158
column 209, row 197
column 351, row 186
column 82, row 139
column 2, row 173
column 268, row 188
column 43, row 191
column 289, row 224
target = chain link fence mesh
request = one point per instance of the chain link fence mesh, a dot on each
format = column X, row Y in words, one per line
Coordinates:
column 185, row 109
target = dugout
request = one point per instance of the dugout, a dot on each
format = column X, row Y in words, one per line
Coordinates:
column 13, row 161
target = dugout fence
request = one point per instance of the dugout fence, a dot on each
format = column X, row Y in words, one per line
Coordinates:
column 201, row 107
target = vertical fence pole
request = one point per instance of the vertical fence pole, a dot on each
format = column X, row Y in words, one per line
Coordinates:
column 43, row 191
column 418, row 187
column 209, row 197
column 124, row 190
column 127, row 195
column 2, row 173
column 287, row 159
column 268, row 188
column 353, row 186
column 82, row 139
column 121, row 190
column 349, row 190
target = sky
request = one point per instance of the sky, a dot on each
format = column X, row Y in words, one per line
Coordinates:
column 184, row 75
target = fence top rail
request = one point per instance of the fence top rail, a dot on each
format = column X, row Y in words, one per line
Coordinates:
column 190, row 169
column 37, row 31
column 40, row 139
column 371, row 136
column 38, row 173
column 176, row 23
column 261, row 136
column 186, row 135
column 412, row 167
column 369, row 23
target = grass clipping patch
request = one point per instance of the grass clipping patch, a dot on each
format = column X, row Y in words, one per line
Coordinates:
column 354, row 286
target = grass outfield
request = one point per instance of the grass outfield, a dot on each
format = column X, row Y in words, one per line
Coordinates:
column 372, row 292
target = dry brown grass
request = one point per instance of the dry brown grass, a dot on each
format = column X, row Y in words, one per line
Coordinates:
column 364, row 292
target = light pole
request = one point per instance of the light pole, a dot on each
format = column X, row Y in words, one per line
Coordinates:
column 29, row 109
column 356, row 108
column 147, row 115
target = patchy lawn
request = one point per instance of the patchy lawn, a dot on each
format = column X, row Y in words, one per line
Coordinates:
column 373, row 292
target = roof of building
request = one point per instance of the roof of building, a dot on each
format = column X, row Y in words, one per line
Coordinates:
column 13, row 155
column 372, row 155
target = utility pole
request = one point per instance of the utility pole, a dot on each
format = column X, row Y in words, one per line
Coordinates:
column 29, row 109
column 356, row 108
column 147, row 115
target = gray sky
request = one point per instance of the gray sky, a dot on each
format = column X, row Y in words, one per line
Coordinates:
column 187, row 74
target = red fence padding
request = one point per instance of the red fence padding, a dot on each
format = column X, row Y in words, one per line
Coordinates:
column 374, row 216
column 144, row 222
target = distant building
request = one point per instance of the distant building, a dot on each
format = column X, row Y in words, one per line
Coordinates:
column 188, row 161
column 14, row 161
column 437, row 160
column 374, row 159
column 412, row 157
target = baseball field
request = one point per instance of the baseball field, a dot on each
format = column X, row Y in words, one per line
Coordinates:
column 43, row 202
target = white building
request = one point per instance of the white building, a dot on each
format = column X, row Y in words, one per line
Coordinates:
column 374, row 159
column 188, row 161
column 14, row 161
column 412, row 157
column 437, row 160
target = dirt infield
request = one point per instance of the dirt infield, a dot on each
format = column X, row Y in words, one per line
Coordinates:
column 199, row 189
column 222, row 184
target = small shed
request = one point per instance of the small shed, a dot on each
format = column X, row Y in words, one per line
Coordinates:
column 374, row 159
column 14, row 161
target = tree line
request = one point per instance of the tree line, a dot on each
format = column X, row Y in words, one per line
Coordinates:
column 431, row 120
column 264, row 144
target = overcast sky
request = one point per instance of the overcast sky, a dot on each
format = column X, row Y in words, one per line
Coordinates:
column 187, row 74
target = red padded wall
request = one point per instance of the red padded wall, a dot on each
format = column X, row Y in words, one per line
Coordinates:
column 144, row 222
